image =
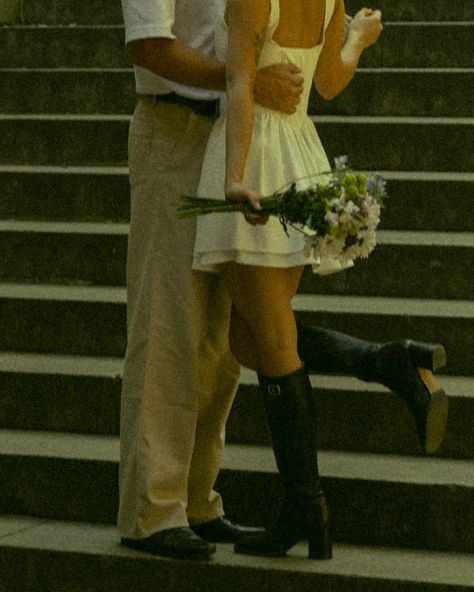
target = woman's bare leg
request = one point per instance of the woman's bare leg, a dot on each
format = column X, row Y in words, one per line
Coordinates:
column 262, row 299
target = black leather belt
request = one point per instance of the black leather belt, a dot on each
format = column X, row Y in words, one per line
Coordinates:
column 206, row 108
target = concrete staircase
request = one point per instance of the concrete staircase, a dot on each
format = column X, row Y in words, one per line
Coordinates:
column 402, row 522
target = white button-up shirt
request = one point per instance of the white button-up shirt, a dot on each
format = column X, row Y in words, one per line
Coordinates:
column 191, row 21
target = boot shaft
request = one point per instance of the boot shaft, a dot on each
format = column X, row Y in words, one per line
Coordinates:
column 291, row 413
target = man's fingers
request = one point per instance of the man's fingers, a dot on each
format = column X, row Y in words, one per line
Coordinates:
column 293, row 68
column 298, row 81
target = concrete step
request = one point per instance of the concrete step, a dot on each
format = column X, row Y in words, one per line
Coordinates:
column 101, row 194
column 403, row 92
column 85, row 556
column 109, row 11
column 63, row 253
column 376, row 92
column 383, row 143
column 47, row 139
column 81, row 194
column 67, row 91
column 399, row 143
column 407, row 10
column 375, row 499
column 82, row 395
column 355, row 416
column 80, row 320
column 402, row 45
column 72, row 12
column 425, row 265
column 406, row 264
column 422, row 45
column 423, row 201
column 26, row 46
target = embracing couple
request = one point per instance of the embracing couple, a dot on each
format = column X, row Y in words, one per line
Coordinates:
column 223, row 90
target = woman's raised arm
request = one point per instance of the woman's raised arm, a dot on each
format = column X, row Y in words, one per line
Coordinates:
column 339, row 59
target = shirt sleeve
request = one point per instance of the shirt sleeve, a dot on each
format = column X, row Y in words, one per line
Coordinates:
column 148, row 18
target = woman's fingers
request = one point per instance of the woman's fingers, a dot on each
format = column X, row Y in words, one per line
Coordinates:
column 239, row 193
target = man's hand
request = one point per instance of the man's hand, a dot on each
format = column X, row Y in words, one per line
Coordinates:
column 279, row 87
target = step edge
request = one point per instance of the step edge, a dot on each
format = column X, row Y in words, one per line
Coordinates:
column 253, row 459
column 413, row 238
column 302, row 302
column 358, row 561
column 112, row 367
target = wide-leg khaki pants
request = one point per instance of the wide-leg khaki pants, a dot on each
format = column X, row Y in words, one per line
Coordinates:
column 179, row 375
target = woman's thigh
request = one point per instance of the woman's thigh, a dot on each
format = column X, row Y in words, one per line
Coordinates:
column 262, row 297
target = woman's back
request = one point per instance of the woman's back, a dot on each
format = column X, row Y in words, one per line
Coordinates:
column 301, row 23
column 295, row 35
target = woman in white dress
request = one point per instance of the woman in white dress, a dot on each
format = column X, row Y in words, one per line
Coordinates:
column 254, row 151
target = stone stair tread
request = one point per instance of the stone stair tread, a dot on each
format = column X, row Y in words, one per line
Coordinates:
column 355, row 561
column 66, row 117
column 428, row 176
column 386, row 306
column 80, row 170
column 346, row 119
column 115, row 228
column 64, row 293
column 335, row 464
column 390, row 23
column 30, row 363
column 302, row 302
column 110, row 367
column 459, row 386
column 74, row 26
column 123, row 171
column 392, row 120
column 105, row 70
column 385, row 237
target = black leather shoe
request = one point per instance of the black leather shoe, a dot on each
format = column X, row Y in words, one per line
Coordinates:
column 180, row 543
column 222, row 530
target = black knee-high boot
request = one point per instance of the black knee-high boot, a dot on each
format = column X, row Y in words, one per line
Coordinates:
column 405, row 367
column 290, row 409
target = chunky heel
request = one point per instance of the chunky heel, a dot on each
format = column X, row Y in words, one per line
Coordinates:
column 431, row 356
column 320, row 545
column 436, row 413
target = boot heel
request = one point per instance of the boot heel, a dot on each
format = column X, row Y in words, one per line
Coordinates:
column 319, row 539
column 437, row 412
column 427, row 355
column 320, row 545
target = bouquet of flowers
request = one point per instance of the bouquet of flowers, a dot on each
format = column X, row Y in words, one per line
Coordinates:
column 338, row 217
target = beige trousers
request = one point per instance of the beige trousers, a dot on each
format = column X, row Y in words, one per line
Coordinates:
column 179, row 376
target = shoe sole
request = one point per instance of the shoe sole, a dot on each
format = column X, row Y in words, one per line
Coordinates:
column 439, row 358
column 436, row 421
column 165, row 551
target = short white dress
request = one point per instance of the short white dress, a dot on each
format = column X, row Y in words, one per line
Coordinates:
column 285, row 149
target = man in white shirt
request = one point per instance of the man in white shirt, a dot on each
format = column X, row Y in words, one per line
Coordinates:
column 179, row 375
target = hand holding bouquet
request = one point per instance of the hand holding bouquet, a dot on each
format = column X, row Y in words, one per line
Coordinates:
column 338, row 218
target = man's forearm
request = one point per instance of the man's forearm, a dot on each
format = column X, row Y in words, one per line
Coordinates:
column 277, row 87
column 178, row 62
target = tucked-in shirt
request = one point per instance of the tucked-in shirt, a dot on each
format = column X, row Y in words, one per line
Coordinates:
column 190, row 21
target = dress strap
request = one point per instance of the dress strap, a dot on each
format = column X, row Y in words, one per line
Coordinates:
column 330, row 6
column 274, row 18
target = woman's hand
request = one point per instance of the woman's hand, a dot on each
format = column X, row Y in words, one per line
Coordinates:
column 366, row 26
column 238, row 192
column 347, row 22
